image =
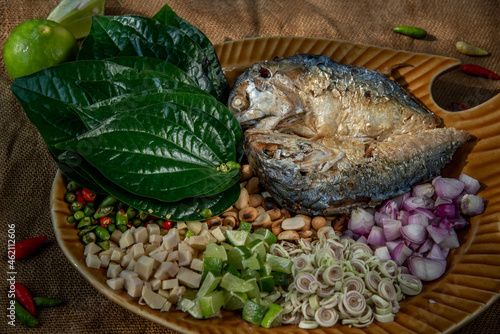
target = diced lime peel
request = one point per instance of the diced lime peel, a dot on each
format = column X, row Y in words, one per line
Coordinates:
column 267, row 283
column 211, row 304
column 258, row 247
column 236, row 237
column 209, row 284
column 76, row 15
column 235, row 284
column 212, row 265
column 253, row 312
column 214, row 250
column 237, row 255
column 255, row 291
column 280, row 264
column 269, row 236
column 244, row 226
column 234, row 300
column 282, row 279
column 273, row 316
column 232, row 270
column 253, row 262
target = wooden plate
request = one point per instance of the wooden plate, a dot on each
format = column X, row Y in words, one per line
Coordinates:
column 472, row 280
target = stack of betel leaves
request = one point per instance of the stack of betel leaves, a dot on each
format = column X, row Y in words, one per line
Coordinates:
column 140, row 115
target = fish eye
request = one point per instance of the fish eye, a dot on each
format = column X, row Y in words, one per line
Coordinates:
column 264, row 73
column 238, row 102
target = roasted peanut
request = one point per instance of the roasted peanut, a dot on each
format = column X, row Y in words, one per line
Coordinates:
column 248, row 214
column 246, row 172
column 325, row 232
column 318, row 222
column 276, row 227
column 214, row 221
column 262, row 220
column 307, row 220
column 260, row 210
column 230, row 214
column 305, row 234
column 230, row 221
column 285, row 213
column 253, row 185
column 274, row 213
column 288, row 236
column 295, row 223
column 255, row 200
column 269, row 203
column 243, row 200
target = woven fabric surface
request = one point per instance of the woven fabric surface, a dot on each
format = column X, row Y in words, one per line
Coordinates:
column 27, row 170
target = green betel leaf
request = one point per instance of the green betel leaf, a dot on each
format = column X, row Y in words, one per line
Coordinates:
column 165, row 152
column 96, row 113
column 187, row 209
column 148, row 37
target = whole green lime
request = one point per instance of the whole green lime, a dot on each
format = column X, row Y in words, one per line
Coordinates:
column 36, row 44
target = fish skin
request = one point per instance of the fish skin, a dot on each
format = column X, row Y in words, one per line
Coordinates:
column 325, row 138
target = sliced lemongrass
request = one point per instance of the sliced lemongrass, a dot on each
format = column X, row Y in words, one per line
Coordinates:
column 325, row 291
column 278, row 250
column 354, row 283
column 384, row 318
column 303, row 282
column 326, row 317
column 410, row 284
column 308, row 324
column 354, row 303
column 333, row 274
column 372, row 280
column 314, row 301
column 386, row 289
column 307, row 310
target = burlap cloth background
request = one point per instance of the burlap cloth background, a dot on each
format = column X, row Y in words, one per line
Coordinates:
column 27, row 171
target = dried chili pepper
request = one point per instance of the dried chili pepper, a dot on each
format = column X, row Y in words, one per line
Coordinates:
column 24, row 297
column 470, row 49
column 479, row 71
column 414, row 32
column 88, row 195
column 167, row 224
column 29, row 246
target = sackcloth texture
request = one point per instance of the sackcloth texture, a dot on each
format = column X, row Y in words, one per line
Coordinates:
column 27, row 170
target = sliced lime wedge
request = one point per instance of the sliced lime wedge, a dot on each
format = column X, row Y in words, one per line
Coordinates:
column 258, row 247
column 235, row 284
column 236, row 237
column 269, row 236
column 244, row 226
column 214, row 250
column 280, row 264
column 255, row 291
column 237, row 255
column 76, row 15
column 234, row 300
column 273, row 316
column 211, row 304
column 253, row 262
column 211, row 265
column 253, row 312
column 209, row 284
column 267, row 283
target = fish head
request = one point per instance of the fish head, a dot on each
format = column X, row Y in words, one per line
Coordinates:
column 262, row 97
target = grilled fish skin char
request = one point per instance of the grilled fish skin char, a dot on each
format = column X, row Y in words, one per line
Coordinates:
column 325, row 137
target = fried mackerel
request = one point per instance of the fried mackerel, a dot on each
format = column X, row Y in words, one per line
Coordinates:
column 325, row 137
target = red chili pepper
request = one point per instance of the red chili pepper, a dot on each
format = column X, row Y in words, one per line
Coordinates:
column 79, row 197
column 88, row 195
column 105, row 221
column 29, row 246
column 479, row 71
column 455, row 106
column 24, row 297
column 167, row 224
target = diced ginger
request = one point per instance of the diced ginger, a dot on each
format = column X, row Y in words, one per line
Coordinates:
column 218, row 234
column 184, row 258
column 194, row 226
column 92, row 261
column 176, row 293
column 166, row 270
column 131, row 265
column 209, row 235
column 175, row 232
column 166, row 307
column 189, row 277
column 155, row 284
column 105, row 252
column 184, row 246
column 105, row 259
column 128, row 274
column 160, row 256
column 126, row 259
column 113, row 270
column 197, row 265
column 181, row 225
column 116, row 283
column 144, row 267
column 148, row 248
column 164, row 293
column 173, row 256
column 116, row 236
column 117, row 255
column 134, row 285
column 138, row 250
column 153, row 229
column 169, row 284
column 155, row 239
column 152, row 299
column 127, row 239
column 170, row 242
column 141, row 235
column 91, row 248
column 198, row 241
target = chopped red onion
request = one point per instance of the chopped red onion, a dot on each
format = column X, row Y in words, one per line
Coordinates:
column 401, row 253
column 400, row 199
column 418, row 219
column 472, row 185
column 392, row 244
column 427, row 269
column 426, row 246
column 471, row 205
column 362, row 239
column 424, row 189
column 376, row 236
column 383, row 253
column 437, row 234
column 426, row 212
column 414, row 233
column 448, row 187
column 389, row 208
column 436, row 253
column 391, row 228
column 445, row 223
column 412, row 203
column 459, row 222
column 447, row 210
column 378, row 216
column 361, row 221
column 451, row 241
column 442, row 200
column 403, row 217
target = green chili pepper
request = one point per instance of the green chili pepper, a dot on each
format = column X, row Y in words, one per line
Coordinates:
column 47, row 302
column 103, row 211
column 111, row 228
column 143, row 215
column 108, row 201
column 159, row 222
column 102, row 233
column 137, row 222
column 131, row 212
column 24, row 316
column 103, row 244
column 121, row 218
column 88, row 238
column 88, row 211
column 71, row 219
column 232, row 165
column 121, row 205
column 76, row 206
column 470, row 49
column 91, row 204
column 206, row 213
column 94, row 221
column 84, row 222
column 70, row 197
column 414, row 32
column 122, row 228
column 86, row 230
column 189, row 233
column 71, row 186
column 78, row 215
